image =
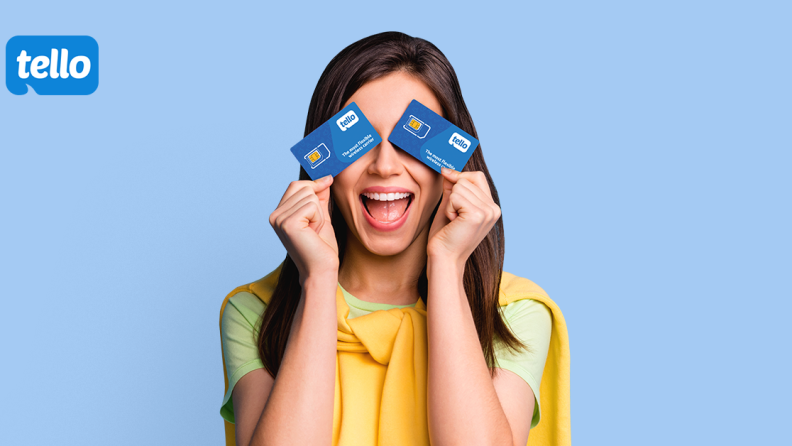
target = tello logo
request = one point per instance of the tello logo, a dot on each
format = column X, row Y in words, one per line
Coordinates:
column 348, row 120
column 52, row 65
column 459, row 142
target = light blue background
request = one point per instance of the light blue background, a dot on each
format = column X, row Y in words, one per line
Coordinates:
column 655, row 209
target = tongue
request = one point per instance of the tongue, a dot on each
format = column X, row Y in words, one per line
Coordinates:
column 387, row 211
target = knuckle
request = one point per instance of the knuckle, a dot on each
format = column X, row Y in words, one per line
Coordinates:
column 488, row 214
column 289, row 223
column 297, row 186
column 279, row 221
column 308, row 190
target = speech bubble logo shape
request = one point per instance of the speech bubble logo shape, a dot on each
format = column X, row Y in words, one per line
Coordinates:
column 52, row 65
column 348, row 120
column 459, row 141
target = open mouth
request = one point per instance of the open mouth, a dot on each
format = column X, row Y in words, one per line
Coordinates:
column 386, row 208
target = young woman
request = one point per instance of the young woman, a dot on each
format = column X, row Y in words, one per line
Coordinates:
column 390, row 321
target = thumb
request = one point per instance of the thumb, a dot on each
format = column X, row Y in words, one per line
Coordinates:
column 321, row 187
column 445, row 210
column 450, row 174
column 322, row 190
column 446, row 207
column 322, row 183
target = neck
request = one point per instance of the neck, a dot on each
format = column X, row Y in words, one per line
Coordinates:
column 389, row 280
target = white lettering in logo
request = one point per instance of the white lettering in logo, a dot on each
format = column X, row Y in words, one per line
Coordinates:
column 348, row 120
column 42, row 62
column 460, row 142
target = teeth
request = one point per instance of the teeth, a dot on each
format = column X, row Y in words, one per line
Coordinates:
column 385, row 197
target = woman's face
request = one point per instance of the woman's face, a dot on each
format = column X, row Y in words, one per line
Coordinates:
column 385, row 224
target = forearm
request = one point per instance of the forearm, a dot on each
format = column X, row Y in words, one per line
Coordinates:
column 300, row 406
column 463, row 407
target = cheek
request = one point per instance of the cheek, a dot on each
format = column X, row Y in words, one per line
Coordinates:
column 341, row 200
column 431, row 184
column 341, row 189
column 343, row 184
column 438, row 186
column 434, row 186
column 425, row 176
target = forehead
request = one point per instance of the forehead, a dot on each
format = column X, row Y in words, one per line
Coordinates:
column 385, row 99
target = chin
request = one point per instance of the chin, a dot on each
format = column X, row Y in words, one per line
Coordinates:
column 387, row 248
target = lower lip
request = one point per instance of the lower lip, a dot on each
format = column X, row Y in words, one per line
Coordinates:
column 382, row 226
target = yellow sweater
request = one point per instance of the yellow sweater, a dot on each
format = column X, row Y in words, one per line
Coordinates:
column 384, row 392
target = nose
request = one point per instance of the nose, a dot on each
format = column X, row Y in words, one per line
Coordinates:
column 387, row 161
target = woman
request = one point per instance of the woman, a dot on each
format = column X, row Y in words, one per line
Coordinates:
column 383, row 323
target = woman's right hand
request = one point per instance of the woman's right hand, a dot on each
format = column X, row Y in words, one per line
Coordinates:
column 302, row 222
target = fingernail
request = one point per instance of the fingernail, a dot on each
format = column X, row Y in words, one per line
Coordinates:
column 326, row 178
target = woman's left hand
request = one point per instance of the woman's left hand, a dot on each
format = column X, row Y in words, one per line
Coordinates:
column 465, row 216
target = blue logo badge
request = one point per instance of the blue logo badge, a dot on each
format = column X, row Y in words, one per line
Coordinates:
column 52, row 65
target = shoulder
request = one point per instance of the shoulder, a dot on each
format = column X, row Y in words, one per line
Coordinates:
column 246, row 304
column 262, row 288
column 516, row 286
column 515, row 289
column 527, row 309
column 241, row 315
column 249, row 301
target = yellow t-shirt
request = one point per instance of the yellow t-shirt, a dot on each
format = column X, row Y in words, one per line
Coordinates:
column 528, row 319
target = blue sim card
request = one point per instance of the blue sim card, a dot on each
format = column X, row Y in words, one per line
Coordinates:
column 337, row 143
column 429, row 137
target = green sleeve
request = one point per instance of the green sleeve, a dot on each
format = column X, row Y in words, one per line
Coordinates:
column 239, row 334
column 532, row 323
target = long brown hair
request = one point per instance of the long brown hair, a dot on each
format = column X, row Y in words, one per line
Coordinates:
column 363, row 61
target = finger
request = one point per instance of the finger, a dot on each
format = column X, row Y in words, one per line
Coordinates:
column 299, row 194
column 449, row 174
column 303, row 214
column 477, row 177
column 478, row 200
column 475, row 190
column 316, row 185
column 448, row 186
column 297, row 190
column 459, row 204
column 288, row 203
column 470, row 192
column 324, row 200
